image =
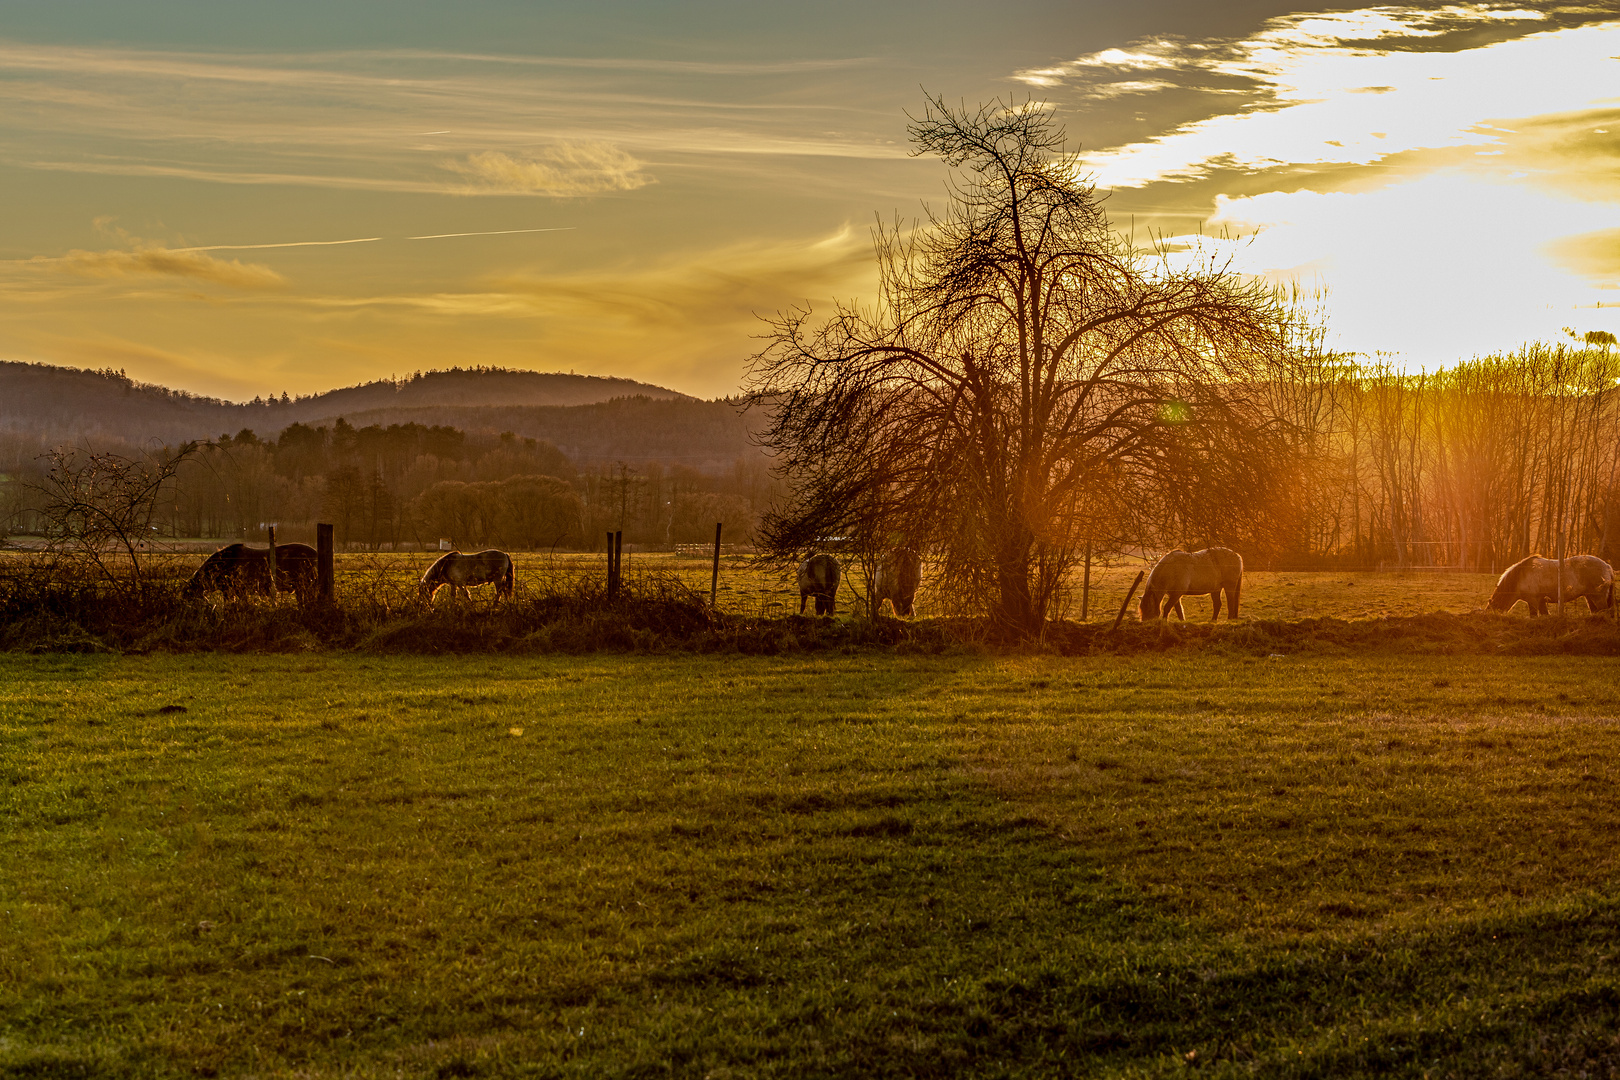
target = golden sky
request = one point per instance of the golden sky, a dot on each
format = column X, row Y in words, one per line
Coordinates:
column 247, row 199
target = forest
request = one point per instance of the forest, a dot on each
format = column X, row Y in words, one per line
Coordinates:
column 1361, row 465
column 385, row 487
column 1472, row 466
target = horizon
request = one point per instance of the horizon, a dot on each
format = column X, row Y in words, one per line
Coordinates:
column 393, row 379
column 236, row 203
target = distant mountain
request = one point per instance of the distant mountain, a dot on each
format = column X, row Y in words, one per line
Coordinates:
column 709, row 436
column 45, row 405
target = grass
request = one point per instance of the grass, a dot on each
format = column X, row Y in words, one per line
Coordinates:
column 867, row 865
column 561, row 605
column 746, row 588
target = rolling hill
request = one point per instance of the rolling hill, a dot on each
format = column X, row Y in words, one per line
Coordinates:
column 41, row 405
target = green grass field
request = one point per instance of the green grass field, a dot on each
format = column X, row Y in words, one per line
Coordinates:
column 863, row 865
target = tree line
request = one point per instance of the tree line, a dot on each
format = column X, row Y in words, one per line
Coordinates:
column 1473, row 466
column 409, row 484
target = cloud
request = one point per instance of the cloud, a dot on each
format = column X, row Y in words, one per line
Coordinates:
column 162, row 262
column 1594, row 255
column 390, row 120
column 1442, row 267
column 1345, row 89
column 565, row 169
column 711, row 290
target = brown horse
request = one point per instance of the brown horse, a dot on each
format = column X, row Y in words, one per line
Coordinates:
column 238, row 571
column 1180, row 573
column 896, row 580
column 818, row 577
column 1535, row 581
column 462, row 572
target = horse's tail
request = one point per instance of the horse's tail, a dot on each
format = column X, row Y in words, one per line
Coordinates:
column 508, row 580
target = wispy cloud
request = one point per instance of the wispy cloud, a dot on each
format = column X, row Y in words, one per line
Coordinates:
column 1438, row 268
column 391, row 120
column 148, row 262
column 724, row 288
column 1349, row 88
column 1593, row 255
column 562, row 170
column 1450, row 175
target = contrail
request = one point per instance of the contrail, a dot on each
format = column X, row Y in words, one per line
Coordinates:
column 295, row 243
column 494, row 232
column 316, row 243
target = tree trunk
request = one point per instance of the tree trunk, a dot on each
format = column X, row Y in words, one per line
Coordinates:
column 1015, row 606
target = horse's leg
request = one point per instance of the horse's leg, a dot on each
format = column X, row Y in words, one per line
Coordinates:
column 1173, row 603
column 1215, row 599
column 1232, row 592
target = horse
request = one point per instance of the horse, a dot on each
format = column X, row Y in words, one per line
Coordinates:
column 1535, row 581
column 818, row 577
column 896, row 581
column 1180, row 573
column 461, row 572
column 238, row 570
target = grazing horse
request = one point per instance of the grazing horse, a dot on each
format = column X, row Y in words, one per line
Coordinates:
column 896, row 581
column 461, row 572
column 818, row 577
column 1535, row 581
column 1179, row 573
column 238, row 570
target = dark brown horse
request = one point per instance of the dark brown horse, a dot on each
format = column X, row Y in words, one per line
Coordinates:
column 818, row 577
column 239, row 571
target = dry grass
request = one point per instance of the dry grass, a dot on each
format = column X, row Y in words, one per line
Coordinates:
column 561, row 605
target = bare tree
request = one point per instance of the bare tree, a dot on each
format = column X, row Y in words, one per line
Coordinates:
column 1020, row 355
column 102, row 507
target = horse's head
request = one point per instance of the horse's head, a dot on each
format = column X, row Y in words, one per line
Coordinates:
column 1149, row 608
column 1503, row 598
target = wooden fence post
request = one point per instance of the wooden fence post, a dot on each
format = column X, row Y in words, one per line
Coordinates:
column 714, row 581
column 325, row 589
column 1560, row 569
column 1140, row 574
column 1085, row 588
column 275, row 584
column 613, row 585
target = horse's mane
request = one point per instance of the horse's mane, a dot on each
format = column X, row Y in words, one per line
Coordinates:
column 440, row 565
column 1510, row 577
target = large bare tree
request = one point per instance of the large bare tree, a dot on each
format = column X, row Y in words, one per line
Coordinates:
column 1022, row 364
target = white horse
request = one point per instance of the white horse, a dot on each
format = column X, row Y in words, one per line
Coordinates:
column 461, row 572
column 1535, row 581
column 896, row 580
column 1179, row 573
